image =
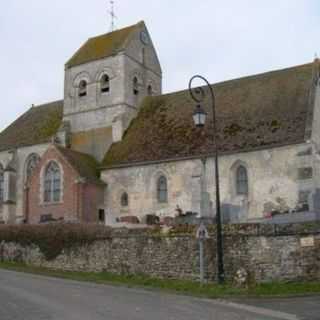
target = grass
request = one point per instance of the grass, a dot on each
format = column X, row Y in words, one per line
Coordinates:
column 175, row 286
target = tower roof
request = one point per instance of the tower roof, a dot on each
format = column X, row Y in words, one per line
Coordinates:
column 102, row 46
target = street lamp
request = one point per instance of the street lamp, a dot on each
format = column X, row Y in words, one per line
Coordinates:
column 199, row 118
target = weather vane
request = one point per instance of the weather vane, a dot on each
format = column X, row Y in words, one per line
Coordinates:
column 113, row 16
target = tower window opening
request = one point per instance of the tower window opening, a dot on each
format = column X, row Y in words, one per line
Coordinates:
column 135, row 86
column 105, row 84
column 82, row 88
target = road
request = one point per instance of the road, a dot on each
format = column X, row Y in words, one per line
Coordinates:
column 306, row 308
column 31, row 297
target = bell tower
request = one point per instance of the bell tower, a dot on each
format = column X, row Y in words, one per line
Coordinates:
column 105, row 83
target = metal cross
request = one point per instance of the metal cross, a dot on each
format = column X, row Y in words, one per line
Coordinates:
column 113, row 16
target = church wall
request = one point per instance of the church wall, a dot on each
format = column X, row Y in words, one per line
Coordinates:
column 275, row 182
column 92, row 202
column 80, row 200
column 67, row 207
column 315, row 137
column 20, row 157
column 94, row 142
column 140, row 184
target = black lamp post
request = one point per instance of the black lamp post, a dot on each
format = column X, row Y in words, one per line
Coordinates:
column 199, row 118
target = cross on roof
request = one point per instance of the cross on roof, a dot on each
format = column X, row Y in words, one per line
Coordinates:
column 113, row 16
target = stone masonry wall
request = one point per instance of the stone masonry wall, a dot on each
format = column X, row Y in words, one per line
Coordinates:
column 268, row 253
column 273, row 183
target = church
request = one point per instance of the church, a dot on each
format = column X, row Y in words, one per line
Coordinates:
column 116, row 147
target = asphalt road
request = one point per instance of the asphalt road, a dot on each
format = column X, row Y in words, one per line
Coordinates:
column 306, row 308
column 31, row 297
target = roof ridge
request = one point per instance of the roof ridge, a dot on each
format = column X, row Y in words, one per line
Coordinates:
column 74, row 151
column 114, row 31
column 253, row 76
column 45, row 104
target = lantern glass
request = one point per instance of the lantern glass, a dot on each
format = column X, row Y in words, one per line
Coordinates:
column 199, row 116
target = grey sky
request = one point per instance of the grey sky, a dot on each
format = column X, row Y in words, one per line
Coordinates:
column 221, row 39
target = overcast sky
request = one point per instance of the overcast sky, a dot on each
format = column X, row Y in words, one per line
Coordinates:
column 220, row 39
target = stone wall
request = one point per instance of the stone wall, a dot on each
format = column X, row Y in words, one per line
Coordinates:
column 18, row 159
column 274, row 183
column 268, row 253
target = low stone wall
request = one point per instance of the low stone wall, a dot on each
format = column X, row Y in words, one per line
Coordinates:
column 268, row 253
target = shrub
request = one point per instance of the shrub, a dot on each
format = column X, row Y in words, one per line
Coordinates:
column 152, row 219
column 53, row 238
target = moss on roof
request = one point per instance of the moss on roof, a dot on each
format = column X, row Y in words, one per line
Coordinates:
column 264, row 110
column 35, row 126
column 84, row 164
column 101, row 46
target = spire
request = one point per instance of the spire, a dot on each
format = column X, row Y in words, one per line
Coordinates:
column 112, row 15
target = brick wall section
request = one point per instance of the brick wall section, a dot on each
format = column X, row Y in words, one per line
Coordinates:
column 93, row 198
column 79, row 201
column 268, row 253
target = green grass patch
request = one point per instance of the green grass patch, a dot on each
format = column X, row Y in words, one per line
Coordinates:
column 175, row 286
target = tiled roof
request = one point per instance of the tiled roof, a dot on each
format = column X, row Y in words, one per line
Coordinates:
column 102, row 46
column 260, row 111
column 35, row 126
column 84, row 164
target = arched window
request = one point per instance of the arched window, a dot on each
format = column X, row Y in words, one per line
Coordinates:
column 1, row 184
column 150, row 91
column 82, row 88
column 31, row 163
column 124, row 200
column 52, row 183
column 135, row 86
column 105, row 83
column 162, row 190
column 241, row 181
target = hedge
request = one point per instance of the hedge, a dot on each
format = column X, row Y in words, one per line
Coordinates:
column 53, row 238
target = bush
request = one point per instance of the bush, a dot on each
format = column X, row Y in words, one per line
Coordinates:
column 152, row 219
column 53, row 238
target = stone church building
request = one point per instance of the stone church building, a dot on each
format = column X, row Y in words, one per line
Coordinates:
column 116, row 146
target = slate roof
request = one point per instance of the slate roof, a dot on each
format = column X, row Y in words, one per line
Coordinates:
column 84, row 164
column 102, row 46
column 36, row 126
column 260, row 111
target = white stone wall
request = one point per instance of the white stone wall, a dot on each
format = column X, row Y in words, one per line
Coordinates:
column 141, row 61
column 96, row 110
column 315, row 137
column 272, row 174
column 20, row 158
